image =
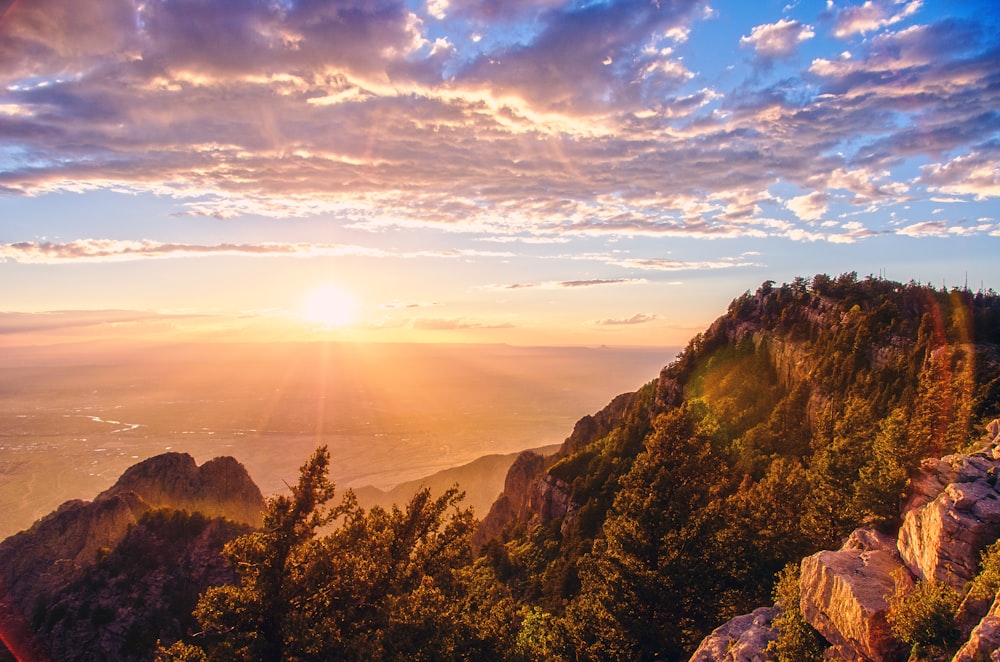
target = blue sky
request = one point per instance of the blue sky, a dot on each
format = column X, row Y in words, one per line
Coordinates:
column 532, row 172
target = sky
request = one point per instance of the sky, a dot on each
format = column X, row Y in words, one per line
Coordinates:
column 516, row 171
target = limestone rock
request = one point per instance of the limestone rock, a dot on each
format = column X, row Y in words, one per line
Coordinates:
column 985, row 638
column 952, row 514
column 741, row 639
column 843, row 595
column 218, row 488
column 513, row 501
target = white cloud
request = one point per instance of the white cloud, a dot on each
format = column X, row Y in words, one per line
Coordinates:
column 872, row 15
column 809, row 207
column 777, row 40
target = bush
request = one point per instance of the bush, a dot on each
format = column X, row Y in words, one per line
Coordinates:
column 797, row 640
column 924, row 618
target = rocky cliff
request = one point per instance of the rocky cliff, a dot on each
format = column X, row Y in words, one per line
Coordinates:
column 951, row 515
column 530, row 493
column 43, row 562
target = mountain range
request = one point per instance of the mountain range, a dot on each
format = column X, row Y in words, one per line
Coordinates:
column 811, row 477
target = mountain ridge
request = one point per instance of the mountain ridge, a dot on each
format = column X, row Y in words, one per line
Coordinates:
column 802, row 418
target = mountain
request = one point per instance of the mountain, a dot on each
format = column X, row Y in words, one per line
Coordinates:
column 482, row 481
column 808, row 478
column 164, row 509
column 795, row 418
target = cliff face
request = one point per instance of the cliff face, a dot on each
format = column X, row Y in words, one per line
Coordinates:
column 807, row 407
column 219, row 488
column 38, row 564
column 529, row 493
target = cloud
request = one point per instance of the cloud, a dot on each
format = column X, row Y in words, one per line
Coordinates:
column 925, row 229
column 366, row 114
column 62, row 320
column 115, row 250
column 809, row 207
column 638, row 318
column 872, row 15
column 976, row 174
column 777, row 40
column 456, row 324
column 666, row 264
column 572, row 284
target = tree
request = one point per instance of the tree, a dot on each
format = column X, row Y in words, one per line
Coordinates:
column 378, row 585
column 924, row 617
column 797, row 640
column 644, row 584
column 250, row 621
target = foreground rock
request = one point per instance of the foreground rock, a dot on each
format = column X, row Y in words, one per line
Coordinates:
column 951, row 515
column 944, row 529
column 984, row 640
column 843, row 595
column 742, row 639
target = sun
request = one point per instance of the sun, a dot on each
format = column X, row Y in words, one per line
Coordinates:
column 329, row 306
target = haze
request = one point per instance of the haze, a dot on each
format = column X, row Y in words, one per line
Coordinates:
column 73, row 417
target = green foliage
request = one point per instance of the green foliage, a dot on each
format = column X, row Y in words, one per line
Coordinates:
column 986, row 584
column 797, row 640
column 796, row 417
column 924, row 617
column 378, row 585
column 122, row 606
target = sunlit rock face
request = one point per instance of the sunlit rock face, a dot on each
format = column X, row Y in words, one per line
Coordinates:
column 741, row 639
column 844, row 595
column 984, row 642
column 530, row 493
column 218, row 488
column 513, row 501
column 953, row 514
column 48, row 559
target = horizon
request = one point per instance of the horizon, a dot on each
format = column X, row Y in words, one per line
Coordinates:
column 536, row 174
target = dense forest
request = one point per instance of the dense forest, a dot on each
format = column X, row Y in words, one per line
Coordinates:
column 797, row 416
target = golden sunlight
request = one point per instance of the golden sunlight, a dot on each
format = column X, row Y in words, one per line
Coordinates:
column 329, row 306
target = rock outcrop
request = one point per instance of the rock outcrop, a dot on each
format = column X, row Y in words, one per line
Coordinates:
column 61, row 546
column 513, row 500
column 844, row 594
column 530, row 493
column 218, row 488
column 984, row 642
column 742, row 639
column 952, row 513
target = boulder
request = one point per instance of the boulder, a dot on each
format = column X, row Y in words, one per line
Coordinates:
column 844, row 595
column 741, row 639
column 952, row 514
column 984, row 640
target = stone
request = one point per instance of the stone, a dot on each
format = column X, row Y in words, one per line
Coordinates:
column 844, row 595
column 741, row 639
column 943, row 532
column 219, row 488
column 984, row 640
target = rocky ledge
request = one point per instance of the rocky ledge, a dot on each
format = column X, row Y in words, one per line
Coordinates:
column 951, row 515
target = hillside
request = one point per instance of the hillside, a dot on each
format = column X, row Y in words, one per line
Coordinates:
column 809, row 414
column 482, row 481
column 794, row 418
